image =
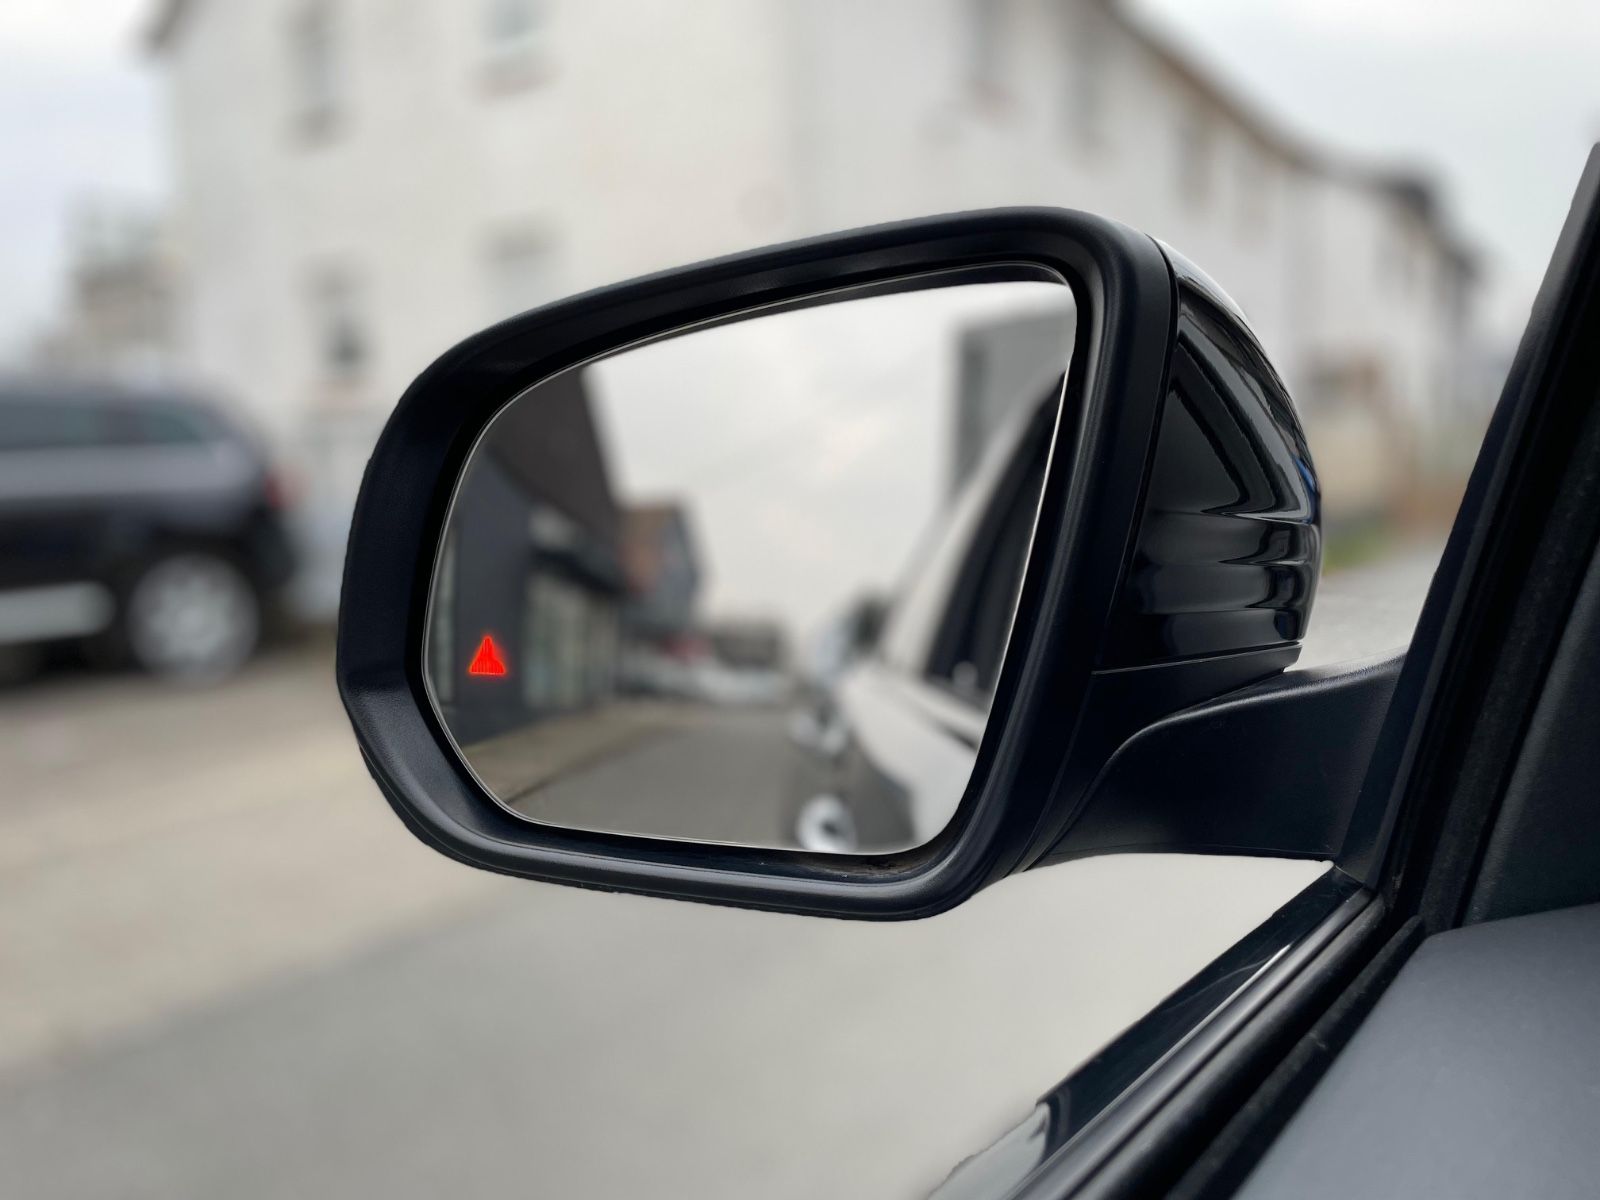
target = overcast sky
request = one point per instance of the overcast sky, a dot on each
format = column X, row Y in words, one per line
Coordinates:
column 79, row 113
column 1501, row 96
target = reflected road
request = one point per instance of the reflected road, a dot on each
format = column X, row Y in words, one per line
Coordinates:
column 716, row 774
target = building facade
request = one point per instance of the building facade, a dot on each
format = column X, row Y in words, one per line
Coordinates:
column 531, row 568
column 363, row 182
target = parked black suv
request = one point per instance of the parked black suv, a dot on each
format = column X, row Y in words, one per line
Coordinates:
column 141, row 522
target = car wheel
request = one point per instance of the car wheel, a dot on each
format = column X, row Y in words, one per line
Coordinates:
column 192, row 616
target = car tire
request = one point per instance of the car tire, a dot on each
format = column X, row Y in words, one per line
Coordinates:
column 191, row 616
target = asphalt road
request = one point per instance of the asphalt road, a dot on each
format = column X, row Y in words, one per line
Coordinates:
column 228, row 971
column 717, row 776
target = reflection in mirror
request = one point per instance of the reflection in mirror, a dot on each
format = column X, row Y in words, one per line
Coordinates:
column 752, row 583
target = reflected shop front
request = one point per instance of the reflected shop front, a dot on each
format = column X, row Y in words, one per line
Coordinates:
column 752, row 583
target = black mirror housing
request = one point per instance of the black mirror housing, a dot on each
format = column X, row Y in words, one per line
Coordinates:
column 1174, row 558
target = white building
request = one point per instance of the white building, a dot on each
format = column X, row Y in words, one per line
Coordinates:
column 363, row 182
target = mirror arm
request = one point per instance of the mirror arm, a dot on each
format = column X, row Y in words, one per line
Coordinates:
column 1272, row 769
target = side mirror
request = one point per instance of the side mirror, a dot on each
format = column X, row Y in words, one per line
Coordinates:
column 603, row 619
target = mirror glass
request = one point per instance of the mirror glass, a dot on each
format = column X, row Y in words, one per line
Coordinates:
column 752, row 583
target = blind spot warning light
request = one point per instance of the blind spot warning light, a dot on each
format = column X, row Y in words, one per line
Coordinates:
column 487, row 660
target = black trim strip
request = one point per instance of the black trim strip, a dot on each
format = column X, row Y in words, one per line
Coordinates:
column 1097, row 1107
column 1234, row 1152
column 1151, row 1136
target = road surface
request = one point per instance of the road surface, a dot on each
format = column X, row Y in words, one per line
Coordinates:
column 229, row 972
column 707, row 773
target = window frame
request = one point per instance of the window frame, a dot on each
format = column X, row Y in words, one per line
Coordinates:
column 316, row 68
column 336, row 295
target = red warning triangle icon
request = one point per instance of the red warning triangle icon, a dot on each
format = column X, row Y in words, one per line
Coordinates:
column 487, row 660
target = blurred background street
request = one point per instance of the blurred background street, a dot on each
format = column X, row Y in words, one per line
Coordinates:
column 225, row 956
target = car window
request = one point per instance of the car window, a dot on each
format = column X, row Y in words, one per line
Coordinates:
column 168, row 427
column 48, row 424
column 52, row 425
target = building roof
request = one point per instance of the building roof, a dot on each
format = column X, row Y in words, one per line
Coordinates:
column 1418, row 194
column 1410, row 188
column 1249, row 115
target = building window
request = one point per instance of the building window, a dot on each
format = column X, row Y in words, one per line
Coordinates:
column 514, row 33
column 986, row 22
column 1194, row 154
column 338, row 325
column 1397, row 258
column 513, row 26
column 1255, row 186
column 568, row 644
column 523, row 273
column 315, row 67
column 1086, row 81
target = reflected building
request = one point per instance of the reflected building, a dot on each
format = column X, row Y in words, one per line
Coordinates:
column 541, row 574
column 662, row 566
column 661, row 563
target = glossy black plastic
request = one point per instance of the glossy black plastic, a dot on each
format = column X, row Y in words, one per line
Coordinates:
column 1216, row 597
column 1275, row 768
column 1229, row 543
